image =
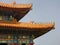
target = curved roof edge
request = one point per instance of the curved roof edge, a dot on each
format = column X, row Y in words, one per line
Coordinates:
column 29, row 25
column 14, row 5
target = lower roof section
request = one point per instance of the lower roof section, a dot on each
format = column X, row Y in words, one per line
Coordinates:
column 21, row 25
column 33, row 28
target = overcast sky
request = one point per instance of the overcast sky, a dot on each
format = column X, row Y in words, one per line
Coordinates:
column 44, row 11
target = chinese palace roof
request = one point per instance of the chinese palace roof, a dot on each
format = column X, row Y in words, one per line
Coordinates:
column 17, row 10
column 37, row 29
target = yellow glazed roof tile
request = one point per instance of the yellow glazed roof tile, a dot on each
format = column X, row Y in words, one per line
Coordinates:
column 28, row 25
column 12, row 5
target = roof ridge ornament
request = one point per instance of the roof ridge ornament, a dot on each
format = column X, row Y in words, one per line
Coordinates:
column 13, row 2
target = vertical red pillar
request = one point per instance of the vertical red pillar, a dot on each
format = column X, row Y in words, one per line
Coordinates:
column 31, row 43
column 15, row 44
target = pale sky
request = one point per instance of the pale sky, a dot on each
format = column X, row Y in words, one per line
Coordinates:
column 44, row 11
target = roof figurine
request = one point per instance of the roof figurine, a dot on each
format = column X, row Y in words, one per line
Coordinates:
column 13, row 2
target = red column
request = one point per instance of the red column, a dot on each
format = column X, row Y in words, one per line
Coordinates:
column 31, row 43
column 15, row 44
